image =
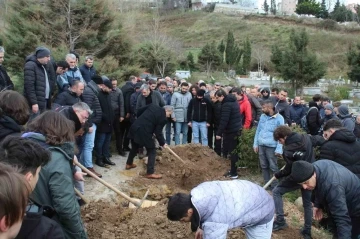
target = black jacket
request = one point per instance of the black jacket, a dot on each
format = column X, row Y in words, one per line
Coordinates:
column 199, row 110
column 296, row 113
column 35, row 83
column 313, row 119
column 87, row 72
column 230, row 121
column 5, row 81
column 151, row 119
column 107, row 119
column 70, row 114
column 8, row 126
column 338, row 190
column 90, row 98
column 127, row 91
column 155, row 98
column 216, row 115
column 66, row 98
column 35, row 225
column 357, row 130
column 282, row 107
column 343, row 148
column 256, row 109
column 296, row 143
column 117, row 102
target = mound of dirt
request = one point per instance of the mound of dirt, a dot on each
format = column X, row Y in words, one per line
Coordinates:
column 201, row 164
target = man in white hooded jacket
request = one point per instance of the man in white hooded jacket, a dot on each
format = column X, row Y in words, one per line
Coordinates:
column 217, row 206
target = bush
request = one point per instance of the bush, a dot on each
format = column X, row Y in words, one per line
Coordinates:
column 328, row 24
column 248, row 158
column 337, row 93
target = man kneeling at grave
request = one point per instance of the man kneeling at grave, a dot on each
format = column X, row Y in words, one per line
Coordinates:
column 217, row 206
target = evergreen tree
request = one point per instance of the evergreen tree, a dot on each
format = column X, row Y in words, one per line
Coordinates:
column 191, row 62
column 353, row 61
column 323, row 10
column 266, row 7
column 209, row 57
column 221, row 48
column 341, row 13
column 310, row 7
column 337, row 5
column 273, row 7
column 296, row 63
column 247, row 55
column 230, row 53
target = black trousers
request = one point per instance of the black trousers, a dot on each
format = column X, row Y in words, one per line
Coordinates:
column 230, row 142
column 124, row 131
column 211, row 130
column 117, row 130
column 218, row 144
column 151, row 153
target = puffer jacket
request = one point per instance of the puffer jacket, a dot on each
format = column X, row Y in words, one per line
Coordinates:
column 35, row 82
column 56, row 187
column 231, row 120
column 180, row 102
column 338, row 190
column 265, row 130
column 296, row 113
column 117, row 102
column 127, row 91
column 90, row 98
column 87, row 72
column 106, row 124
column 223, row 205
column 8, row 126
column 343, row 148
column 66, row 98
column 5, row 81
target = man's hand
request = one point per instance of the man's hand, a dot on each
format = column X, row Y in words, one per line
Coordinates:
column 189, row 124
column 80, row 132
column 207, row 125
column 174, row 119
column 79, row 176
column 35, row 108
column 256, row 149
column 91, row 129
column 293, row 124
column 317, row 213
column 127, row 115
column 218, row 137
column 199, row 234
column 121, row 119
column 278, row 155
column 165, row 145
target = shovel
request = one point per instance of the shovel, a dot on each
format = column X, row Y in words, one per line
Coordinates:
column 271, row 180
column 173, row 153
column 123, row 195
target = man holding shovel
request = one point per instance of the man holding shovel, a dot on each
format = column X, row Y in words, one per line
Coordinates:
column 296, row 147
column 151, row 119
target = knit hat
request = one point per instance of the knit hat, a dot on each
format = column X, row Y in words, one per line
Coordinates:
column 343, row 110
column 202, row 84
column 138, row 85
column 97, row 79
column 301, row 171
column 200, row 93
column 41, row 52
column 329, row 107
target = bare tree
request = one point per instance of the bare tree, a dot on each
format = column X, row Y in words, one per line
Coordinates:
column 261, row 56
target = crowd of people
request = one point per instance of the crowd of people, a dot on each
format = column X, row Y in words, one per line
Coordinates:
column 68, row 113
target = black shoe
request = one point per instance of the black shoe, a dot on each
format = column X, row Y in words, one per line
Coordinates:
column 305, row 234
column 126, row 149
column 99, row 162
column 229, row 175
column 107, row 160
column 122, row 153
column 279, row 226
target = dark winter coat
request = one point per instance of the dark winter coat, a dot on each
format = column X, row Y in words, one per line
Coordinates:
column 66, row 98
column 117, row 102
column 156, row 99
column 108, row 115
column 348, row 123
column 199, row 110
column 8, row 126
column 296, row 143
column 127, row 91
column 256, row 109
column 70, row 114
column 313, row 119
column 338, row 190
column 87, row 73
column 231, row 120
column 151, row 120
column 343, row 148
column 357, row 130
column 35, row 82
column 56, row 188
column 35, row 225
column 166, row 97
column 216, row 113
column 133, row 99
column 296, row 113
column 282, row 107
column 90, row 98
column 5, row 81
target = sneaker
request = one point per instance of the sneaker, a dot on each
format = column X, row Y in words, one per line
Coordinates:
column 232, row 176
column 277, row 226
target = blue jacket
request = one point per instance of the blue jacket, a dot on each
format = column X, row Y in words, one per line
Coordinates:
column 265, row 130
column 296, row 113
column 87, row 72
column 74, row 73
column 167, row 97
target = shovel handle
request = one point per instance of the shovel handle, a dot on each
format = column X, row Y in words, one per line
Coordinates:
column 271, row 180
column 173, row 153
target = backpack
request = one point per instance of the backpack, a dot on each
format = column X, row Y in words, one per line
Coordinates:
column 303, row 121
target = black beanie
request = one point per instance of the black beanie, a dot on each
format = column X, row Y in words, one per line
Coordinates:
column 301, row 171
column 41, row 52
column 97, row 79
column 200, row 93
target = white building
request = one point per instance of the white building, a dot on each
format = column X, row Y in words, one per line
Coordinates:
column 183, row 74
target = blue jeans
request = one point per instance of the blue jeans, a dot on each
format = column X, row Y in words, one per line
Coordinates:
column 181, row 127
column 87, row 146
column 102, row 145
column 168, row 131
column 196, row 127
column 268, row 162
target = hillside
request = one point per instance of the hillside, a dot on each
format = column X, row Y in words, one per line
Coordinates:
column 195, row 29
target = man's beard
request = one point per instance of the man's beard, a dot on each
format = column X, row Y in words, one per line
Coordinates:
column 183, row 92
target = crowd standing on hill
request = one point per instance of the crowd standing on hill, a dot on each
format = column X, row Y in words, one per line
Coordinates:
column 69, row 113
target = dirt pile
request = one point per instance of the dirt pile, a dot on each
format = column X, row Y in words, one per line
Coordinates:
column 202, row 164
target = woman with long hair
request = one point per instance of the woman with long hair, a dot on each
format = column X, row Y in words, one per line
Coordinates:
column 56, row 186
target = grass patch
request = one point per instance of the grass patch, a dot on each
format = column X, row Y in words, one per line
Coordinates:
column 292, row 196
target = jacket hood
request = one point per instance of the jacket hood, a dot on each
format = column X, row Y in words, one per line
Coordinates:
column 265, row 90
column 343, row 111
column 344, row 135
column 244, row 99
column 229, row 98
column 9, row 126
column 32, row 57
